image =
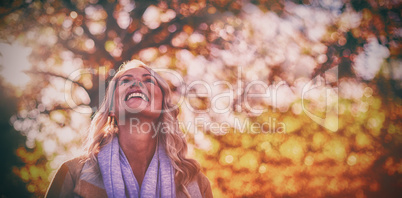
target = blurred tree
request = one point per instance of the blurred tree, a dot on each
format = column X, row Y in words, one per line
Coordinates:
column 272, row 41
column 10, row 184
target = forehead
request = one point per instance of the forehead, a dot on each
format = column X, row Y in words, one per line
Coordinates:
column 137, row 71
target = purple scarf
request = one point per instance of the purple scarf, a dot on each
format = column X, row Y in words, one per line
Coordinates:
column 119, row 179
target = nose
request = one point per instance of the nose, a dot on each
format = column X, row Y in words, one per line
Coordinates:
column 137, row 83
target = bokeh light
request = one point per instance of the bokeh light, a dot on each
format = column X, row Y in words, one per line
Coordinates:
column 276, row 98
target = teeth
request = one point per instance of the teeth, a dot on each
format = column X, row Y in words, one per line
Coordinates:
column 136, row 95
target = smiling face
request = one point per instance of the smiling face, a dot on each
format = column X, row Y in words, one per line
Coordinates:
column 138, row 93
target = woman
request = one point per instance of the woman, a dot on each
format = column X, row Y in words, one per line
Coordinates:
column 135, row 147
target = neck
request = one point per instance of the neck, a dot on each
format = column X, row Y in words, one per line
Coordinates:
column 138, row 142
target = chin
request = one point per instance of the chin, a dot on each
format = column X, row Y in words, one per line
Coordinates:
column 143, row 113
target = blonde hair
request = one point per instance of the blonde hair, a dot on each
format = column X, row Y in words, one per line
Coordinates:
column 103, row 127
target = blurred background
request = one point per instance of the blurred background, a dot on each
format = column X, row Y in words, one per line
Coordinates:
column 331, row 71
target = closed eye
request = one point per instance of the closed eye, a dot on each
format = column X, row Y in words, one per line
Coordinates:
column 124, row 81
column 150, row 80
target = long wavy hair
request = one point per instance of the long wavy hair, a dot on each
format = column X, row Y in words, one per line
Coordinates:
column 103, row 127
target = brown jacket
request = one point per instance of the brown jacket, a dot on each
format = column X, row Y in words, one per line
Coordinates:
column 70, row 181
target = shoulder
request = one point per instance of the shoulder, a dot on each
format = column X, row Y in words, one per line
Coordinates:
column 204, row 185
column 75, row 165
column 65, row 178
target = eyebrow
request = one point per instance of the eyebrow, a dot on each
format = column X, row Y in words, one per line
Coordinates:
column 143, row 75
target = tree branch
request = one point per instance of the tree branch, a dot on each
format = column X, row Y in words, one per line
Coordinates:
column 72, row 7
column 99, row 44
column 22, row 6
column 58, row 76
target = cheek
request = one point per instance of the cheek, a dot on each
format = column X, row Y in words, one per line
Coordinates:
column 158, row 99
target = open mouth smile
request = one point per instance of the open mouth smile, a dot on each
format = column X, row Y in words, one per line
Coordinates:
column 136, row 94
